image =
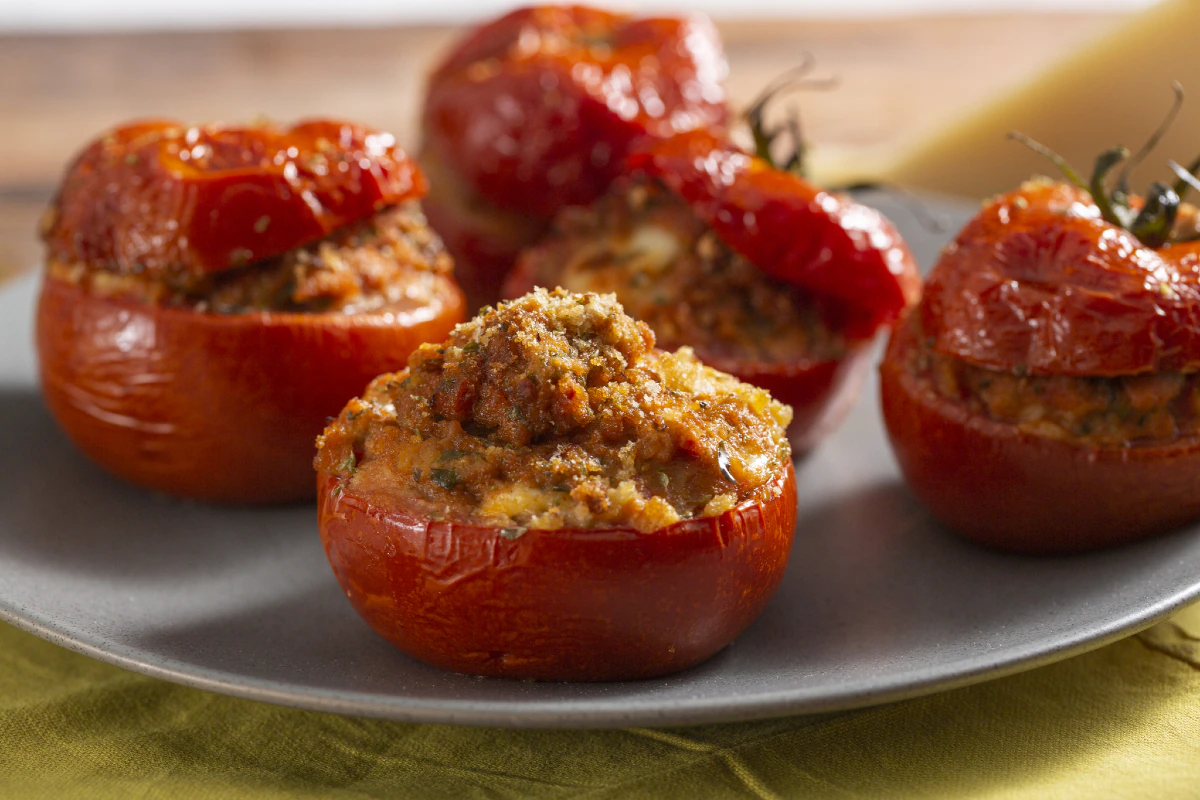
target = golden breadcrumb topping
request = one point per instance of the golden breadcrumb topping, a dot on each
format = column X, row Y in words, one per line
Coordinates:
column 556, row 411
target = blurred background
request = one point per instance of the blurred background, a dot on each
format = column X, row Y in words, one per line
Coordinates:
column 87, row 15
column 75, row 67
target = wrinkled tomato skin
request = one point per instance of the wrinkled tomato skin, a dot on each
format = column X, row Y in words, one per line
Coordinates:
column 1037, row 281
column 219, row 408
column 1039, row 284
column 160, row 196
column 1002, row 488
column 538, row 109
column 557, row 605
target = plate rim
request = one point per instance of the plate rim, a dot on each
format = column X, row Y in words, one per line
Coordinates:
column 575, row 713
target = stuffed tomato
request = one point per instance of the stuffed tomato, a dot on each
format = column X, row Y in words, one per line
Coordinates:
column 537, row 110
column 1044, row 396
column 214, row 293
column 547, row 496
column 765, row 276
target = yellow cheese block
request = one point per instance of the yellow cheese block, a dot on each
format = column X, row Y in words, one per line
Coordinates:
column 1114, row 91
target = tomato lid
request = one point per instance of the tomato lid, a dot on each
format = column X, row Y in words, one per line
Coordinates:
column 160, row 195
column 537, row 109
column 1039, row 282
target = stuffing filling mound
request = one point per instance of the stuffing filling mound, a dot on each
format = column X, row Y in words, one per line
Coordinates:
column 391, row 259
column 1099, row 411
column 671, row 271
column 555, row 410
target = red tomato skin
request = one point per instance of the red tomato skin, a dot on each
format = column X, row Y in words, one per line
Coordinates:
column 158, row 196
column 559, row 605
column 219, row 408
column 484, row 244
column 533, row 127
column 1002, row 488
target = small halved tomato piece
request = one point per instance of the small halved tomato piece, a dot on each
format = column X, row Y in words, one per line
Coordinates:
column 557, row 605
column 163, row 197
column 845, row 253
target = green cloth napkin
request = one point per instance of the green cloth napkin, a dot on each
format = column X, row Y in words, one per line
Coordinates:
column 1120, row 722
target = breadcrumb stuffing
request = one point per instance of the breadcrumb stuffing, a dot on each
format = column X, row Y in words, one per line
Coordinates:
column 392, row 257
column 670, row 270
column 1102, row 411
column 555, row 410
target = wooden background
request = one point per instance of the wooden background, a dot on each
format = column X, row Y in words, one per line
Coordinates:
column 898, row 78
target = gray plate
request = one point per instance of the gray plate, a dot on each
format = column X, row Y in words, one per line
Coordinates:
column 878, row 602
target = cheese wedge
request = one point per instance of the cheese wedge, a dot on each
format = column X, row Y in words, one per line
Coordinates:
column 1113, row 91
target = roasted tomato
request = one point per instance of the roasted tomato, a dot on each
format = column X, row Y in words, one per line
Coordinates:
column 765, row 276
column 1043, row 397
column 536, row 111
column 214, row 293
column 547, row 496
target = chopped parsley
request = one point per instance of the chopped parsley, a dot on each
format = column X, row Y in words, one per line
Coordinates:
column 445, row 478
